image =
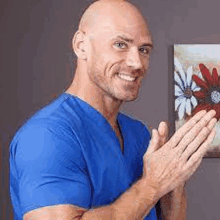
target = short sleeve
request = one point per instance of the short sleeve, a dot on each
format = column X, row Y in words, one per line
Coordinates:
column 50, row 168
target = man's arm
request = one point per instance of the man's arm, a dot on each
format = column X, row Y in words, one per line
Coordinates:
column 173, row 204
column 163, row 171
column 135, row 203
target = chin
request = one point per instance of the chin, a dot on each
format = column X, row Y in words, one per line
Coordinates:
column 129, row 98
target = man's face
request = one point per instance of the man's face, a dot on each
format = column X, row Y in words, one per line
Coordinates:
column 118, row 57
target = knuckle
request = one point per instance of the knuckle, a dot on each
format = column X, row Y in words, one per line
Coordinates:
column 177, row 152
column 186, row 139
column 202, row 133
column 193, row 121
column 174, row 140
column 190, row 147
column 184, row 169
column 206, row 130
column 205, row 121
column 178, row 147
column 200, row 126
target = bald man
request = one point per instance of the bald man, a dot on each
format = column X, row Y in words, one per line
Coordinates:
column 80, row 158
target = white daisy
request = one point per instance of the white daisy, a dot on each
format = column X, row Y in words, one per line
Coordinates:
column 184, row 87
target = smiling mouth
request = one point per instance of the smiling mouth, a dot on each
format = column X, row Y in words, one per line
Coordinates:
column 127, row 77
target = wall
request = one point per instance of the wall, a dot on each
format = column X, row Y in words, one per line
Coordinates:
column 35, row 67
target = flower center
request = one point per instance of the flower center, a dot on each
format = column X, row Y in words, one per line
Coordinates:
column 215, row 97
column 188, row 93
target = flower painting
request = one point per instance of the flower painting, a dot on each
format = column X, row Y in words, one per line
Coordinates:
column 197, row 85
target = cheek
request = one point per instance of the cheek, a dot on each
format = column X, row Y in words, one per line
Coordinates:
column 103, row 58
column 109, row 63
column 146, row 62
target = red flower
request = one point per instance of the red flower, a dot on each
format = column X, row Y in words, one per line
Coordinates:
column 209, row 95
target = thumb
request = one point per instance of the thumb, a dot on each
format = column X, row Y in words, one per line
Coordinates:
column 154, row 142
column 163, row 132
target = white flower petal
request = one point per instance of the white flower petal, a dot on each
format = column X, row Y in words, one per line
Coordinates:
column 178, row 91
column 179, row 68
column 189, row 75
column 199, row 74
column 194, row 101
column 194, row 87
column 188, row 107
column 197, row 89
column 178, row 80
column 181, row 111
column 178, row 101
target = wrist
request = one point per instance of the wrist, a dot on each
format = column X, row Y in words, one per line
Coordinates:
column 136, row 202
column 148, row 191
column 180, row 189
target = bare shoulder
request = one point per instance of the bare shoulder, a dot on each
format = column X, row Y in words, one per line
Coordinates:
column 61, row 212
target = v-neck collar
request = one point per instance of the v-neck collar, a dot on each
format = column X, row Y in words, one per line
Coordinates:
column 94, row 115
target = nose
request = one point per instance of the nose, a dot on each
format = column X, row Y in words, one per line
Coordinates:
column 133, row 59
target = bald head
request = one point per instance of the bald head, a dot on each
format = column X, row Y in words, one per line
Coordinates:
column 113, row 46
column 104, row 13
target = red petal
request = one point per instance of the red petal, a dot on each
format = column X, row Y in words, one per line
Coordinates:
column 202, row 106
column 217, row 109
column 199, row 94
column 206, row 74
column 215, row 76
column 199, row 82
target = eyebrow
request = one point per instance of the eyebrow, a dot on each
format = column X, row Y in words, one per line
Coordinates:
column 131, row 41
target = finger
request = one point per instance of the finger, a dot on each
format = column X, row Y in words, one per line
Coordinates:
column 185, row 128
column 198, row 155
column 154, row 142
column 193, row 132
column 212, row 124
column 202, row 136
column 191, row 135
column 206, row 145
column 163, row 132
column 190, row 170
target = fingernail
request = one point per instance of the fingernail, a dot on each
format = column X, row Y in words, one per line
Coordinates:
column 212, row 111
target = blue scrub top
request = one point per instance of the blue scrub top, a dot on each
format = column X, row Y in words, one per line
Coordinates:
column 67, row 153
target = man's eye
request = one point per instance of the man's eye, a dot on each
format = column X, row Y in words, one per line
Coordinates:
column 120, row 45
column 144, row 50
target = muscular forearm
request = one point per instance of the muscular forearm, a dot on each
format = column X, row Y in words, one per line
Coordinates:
column 173, row 205
column 135, row 203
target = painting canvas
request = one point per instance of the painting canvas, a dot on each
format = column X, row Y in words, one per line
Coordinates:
column 197, row 85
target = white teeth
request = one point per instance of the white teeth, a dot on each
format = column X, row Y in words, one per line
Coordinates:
column 126, row 77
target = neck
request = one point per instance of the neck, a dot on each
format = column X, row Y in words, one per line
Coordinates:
column 90, row 93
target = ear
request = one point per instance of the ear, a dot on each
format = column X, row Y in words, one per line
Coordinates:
column 79, row 44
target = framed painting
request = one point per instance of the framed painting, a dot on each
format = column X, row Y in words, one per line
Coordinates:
column 197, row 85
